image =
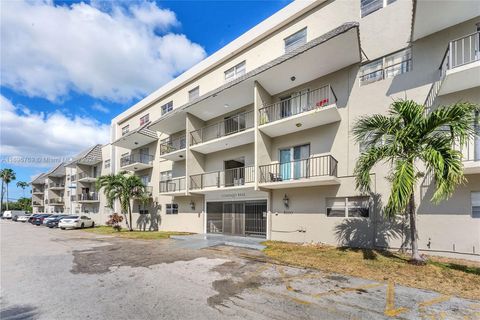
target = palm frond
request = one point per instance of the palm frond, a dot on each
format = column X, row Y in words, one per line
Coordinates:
column 403, row 182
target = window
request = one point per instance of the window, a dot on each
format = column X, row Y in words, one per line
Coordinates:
column 144, row 119
column 166, row 175
column 167, row 107
column 369, row 6
column 145, row 179
column 475, row 198
column 235, row 72
column 386, row 67
column 172, row 208
column 107, row 164
column 194, row 93
column 347, row 207
column 295, row 40
column 125, row 130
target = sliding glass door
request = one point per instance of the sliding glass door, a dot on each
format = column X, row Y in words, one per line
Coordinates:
column 294, row 162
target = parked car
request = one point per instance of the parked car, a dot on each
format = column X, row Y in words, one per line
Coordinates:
column 33, row 216
column 53, row 222
column 39, row 220
column 74, row 222
column 24, row 218
column 11, row 214
column 52, row 217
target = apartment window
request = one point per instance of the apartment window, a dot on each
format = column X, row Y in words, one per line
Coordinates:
column 348, row 207
column 172, row 208
column 475, row 198
column 166, row 175
column 386, row 67
column 144, row 119
column 107, row 164
column 145, row 179
column 167, row 107
column 295, row 40
column 235, row 72
column 125, row 130
column 370, row 6
column 194, row 93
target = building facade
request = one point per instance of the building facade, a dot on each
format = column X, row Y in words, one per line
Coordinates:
column 256, row 139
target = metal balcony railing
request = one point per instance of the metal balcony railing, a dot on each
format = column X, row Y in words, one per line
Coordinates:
column 55, row 201
column 173, row 185
column 92, row 196
column 82, row 175
column 36, row 190
column 170, row 145
column 136, row 158
column 56, row 185
column 463, row 51
column 231, row 125
column 300, row 103
column 226, row 178
column 471, row 151
column 299, row 169
column 37, row 203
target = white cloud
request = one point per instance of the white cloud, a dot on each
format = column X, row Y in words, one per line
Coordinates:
column 99, row 107
column 123, row 53
column 27, row 135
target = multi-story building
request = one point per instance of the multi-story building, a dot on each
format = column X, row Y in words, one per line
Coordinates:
column 256, row 139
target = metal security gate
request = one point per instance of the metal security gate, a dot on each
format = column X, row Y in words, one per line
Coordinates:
column 240, row 218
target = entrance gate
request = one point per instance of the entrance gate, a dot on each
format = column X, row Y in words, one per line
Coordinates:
column 241, row 218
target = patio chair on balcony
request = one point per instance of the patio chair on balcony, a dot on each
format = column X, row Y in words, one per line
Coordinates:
column 275, row 177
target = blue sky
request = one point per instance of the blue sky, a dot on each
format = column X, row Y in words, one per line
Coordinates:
column 69, row 67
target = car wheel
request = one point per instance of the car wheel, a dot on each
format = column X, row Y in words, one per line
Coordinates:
column 62, row 228
column 82, row 226
column 93, row 224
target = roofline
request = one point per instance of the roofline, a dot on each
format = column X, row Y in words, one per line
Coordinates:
column 261, row 30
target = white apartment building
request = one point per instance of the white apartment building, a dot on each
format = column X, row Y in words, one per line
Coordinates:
column 256, row 139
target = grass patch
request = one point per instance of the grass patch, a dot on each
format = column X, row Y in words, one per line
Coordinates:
column 448, row 276
column 124, row 233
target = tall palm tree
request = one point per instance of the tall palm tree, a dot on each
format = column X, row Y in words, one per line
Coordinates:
column 7, row 176
column 406, row 138
column 123, row 187
column 23, row 185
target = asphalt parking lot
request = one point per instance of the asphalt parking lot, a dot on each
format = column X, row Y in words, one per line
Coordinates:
column 55, row 274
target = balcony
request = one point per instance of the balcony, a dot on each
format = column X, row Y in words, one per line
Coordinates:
column 37, row 191
column 313, row 171
column 231, row 178
column 303, row 111
column 136, row 138
column 461, row 65
column 56, row 186
column 88, row 197
column 37, row 203
column 175, row 186
column 136, row 162
column 173, row 148
column 86, row 177
column 229, row 133
column 55, row 201
column 147, row 193
column 471, row 156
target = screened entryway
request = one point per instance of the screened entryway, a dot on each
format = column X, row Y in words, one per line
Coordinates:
column 240, row 218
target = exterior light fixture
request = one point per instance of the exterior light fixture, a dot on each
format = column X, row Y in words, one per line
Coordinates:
column 293, row 78
column 286, row 201
column 192, row 205
column 135, row 142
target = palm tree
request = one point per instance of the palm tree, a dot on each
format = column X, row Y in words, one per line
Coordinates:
column 23, row 185
column 7, row 176
column 406, row 138
column 123, row 187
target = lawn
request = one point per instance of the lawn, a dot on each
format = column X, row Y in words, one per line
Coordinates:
column 448, row 276
column 124, row 233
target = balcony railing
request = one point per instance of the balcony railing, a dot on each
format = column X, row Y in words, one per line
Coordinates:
column 56, row 185
column 471, row 151
column 173, row 185
column 36, row 190
column 170, row 145
column 55, row 201
column 297, row 104
column 37, row 203
column 92, row 196
column 136, row 158
column 234, row 124
column 463, row 51
column 299, row 169
column 83, row 175
column 227, row 178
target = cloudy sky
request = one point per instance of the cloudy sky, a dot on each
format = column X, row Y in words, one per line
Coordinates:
column 67, row 68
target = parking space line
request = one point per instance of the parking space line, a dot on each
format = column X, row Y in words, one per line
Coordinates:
column 390, row 309
column 433, row 301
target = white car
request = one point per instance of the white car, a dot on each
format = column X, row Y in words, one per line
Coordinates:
column 24, row 218
column 74, row 222
column 10, row 214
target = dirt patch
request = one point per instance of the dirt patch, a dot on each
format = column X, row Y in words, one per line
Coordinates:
column 132, row 253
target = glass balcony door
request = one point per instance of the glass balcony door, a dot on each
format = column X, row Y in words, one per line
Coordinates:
column 291, row 166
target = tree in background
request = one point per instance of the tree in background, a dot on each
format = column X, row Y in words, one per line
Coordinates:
column 7, row 175
column 408, row 137
column 23, row 185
